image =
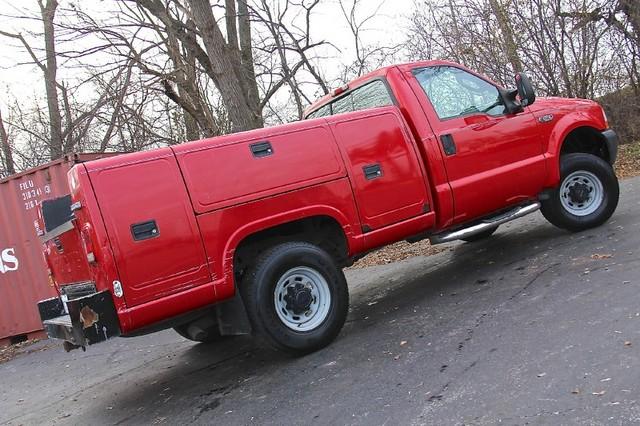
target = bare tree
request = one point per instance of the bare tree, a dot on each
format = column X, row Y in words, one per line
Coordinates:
column 507, row 33
column 565, row 56
column 69, row 120
column 285, row 52
column 227, row 61
column 49, row 69
column 368, row 56
column 7, row 155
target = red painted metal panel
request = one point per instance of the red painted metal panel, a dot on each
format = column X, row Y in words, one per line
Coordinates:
column 171, row 258
column 23, row 277
column 398, row 191
column 222, row 172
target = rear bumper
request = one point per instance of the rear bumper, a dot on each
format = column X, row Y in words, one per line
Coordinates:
column 611, row 140
column 91, row 319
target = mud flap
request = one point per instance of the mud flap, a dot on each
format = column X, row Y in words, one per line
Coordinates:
column 232, row 317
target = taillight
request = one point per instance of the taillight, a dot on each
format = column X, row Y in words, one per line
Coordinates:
column 339, row 90
column 46, row 252
column 87, row 243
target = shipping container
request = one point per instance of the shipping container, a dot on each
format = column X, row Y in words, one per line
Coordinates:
column 23, row 274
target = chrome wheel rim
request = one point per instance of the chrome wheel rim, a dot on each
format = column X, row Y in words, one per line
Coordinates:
column 581, row 193
column 302, row 298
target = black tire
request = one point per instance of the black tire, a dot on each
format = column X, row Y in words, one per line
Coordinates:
column 481, row 236
column 559, row 215
column 258, row 288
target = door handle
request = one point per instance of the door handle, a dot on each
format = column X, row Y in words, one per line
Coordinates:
column 372, row 171
column 448, row 144
column 261, row 149
column 145, row 230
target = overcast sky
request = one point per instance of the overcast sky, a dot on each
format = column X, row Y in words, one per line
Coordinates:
column 24, row 81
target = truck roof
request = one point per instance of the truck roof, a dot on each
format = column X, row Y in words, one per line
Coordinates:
column 373, row 74
column 255, row 134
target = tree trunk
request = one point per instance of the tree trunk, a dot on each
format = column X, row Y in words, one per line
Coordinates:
column 196, row 116
column 190, row 123
column 510, row 45
column 48, row 12
column 631, row 9
column 228, row 70
column 244, row 29
column 6, row 149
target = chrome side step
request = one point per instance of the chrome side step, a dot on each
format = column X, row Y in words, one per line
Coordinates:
column 485, row 224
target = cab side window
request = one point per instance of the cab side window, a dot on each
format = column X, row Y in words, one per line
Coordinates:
column 455, row 93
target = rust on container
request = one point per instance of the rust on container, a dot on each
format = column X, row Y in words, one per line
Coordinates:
column 23, row 272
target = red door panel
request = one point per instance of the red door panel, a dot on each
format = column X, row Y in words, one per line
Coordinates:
column 152, row 227
column 385, row 173
column 497, row 163
column 491, row 160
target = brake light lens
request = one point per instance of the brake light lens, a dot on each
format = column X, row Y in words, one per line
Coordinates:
column 46, row 252
column 339, row 90
column 87, row 243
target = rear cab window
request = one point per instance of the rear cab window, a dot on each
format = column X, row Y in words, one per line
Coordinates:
column 321, row 112
column 370, row 95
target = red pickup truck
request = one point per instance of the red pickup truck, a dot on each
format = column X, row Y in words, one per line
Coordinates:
column 248, row 233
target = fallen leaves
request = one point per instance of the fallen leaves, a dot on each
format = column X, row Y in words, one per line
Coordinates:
column 396, row 252
column 9, row 352
column 601, row 256
column 628, row 162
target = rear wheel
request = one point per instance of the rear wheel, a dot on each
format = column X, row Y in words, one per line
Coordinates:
column 481, row 236
column 587, row 196
column 296, row 297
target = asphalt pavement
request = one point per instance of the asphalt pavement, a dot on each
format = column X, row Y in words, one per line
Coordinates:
column 532, row 326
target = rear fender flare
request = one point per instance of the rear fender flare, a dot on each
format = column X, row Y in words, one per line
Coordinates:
column 226, row 288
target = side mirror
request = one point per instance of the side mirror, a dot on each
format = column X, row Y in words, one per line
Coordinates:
column 525, row 89
column 511, row 104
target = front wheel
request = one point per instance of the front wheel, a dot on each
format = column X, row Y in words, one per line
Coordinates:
column 296, row 297
column 587, row 196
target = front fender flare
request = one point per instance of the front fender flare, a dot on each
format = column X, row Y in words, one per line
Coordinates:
column 560, row 131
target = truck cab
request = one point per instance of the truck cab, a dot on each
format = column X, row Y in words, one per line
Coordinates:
column 248, row 233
